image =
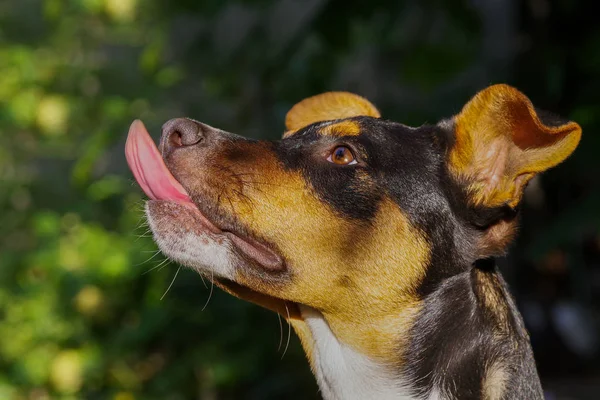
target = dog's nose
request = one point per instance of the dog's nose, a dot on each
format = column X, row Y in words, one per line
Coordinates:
column 181, row 132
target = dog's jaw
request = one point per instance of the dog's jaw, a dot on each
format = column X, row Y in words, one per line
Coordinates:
column 185, row 240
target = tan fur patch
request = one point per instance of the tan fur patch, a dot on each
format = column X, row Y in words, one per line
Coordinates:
column 289, row 133
column 340, row 129
column 494, row 383
column 496, row 238
column 303, row 331
column 489, row 292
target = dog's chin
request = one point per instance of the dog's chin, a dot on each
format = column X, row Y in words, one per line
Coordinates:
column 188, row 237
column 184, row 235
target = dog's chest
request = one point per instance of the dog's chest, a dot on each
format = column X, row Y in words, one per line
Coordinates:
column 344, row 374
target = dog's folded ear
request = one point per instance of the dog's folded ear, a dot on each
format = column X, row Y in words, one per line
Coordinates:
column 328, row 106
column 500, row 142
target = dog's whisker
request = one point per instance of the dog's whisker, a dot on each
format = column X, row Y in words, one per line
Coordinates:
column 156, row 266
column 146, row 229
column 165, row 265
column 146, row 234
column 151, row 257
column 203, row 282
column 136, row 205
column 280, row 332
column 137, row 239
column 141, row 222
column 231, row 205
column 212, row 285
column 287, row 344
column 244, row 197
column 172, row 282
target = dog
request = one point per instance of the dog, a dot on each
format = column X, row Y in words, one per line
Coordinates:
column 375, row 240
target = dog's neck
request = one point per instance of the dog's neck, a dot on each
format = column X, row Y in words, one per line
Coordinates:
column 456, row 352
column 344, row 374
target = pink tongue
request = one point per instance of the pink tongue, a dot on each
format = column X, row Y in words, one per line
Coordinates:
column 149, row 168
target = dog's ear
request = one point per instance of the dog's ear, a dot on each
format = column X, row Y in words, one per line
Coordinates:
column 500, row 142
column 328, row 106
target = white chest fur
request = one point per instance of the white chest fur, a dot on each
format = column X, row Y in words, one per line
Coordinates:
column 344, row 374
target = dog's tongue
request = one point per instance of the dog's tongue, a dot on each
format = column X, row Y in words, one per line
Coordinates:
column 149, row 168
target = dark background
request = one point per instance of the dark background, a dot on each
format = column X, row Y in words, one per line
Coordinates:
column 80, row 318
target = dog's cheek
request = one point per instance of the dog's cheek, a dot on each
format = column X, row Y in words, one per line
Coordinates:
column 382, row 268
column 331, row 254
column 312, row 240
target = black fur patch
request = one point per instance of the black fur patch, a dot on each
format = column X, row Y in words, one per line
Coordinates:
column 550, row 119
column 453, row 342
column 484, row 217
column 349, row 190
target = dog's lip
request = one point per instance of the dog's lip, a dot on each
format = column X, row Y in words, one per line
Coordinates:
column 155, row 179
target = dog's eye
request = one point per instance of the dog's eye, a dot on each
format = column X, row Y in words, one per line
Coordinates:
column 342, row 155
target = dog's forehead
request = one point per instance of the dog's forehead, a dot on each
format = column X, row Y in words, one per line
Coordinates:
column 387, row 147
column 362, row 127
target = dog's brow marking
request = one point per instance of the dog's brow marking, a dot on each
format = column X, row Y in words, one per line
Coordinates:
column 289, row 133
column 339, row 129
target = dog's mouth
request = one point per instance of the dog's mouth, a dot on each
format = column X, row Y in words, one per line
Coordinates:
column 159, row 184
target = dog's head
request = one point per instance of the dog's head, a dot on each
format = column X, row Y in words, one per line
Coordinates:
column 349, row 214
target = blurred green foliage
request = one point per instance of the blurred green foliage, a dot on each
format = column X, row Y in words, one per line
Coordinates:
column 81, row 314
